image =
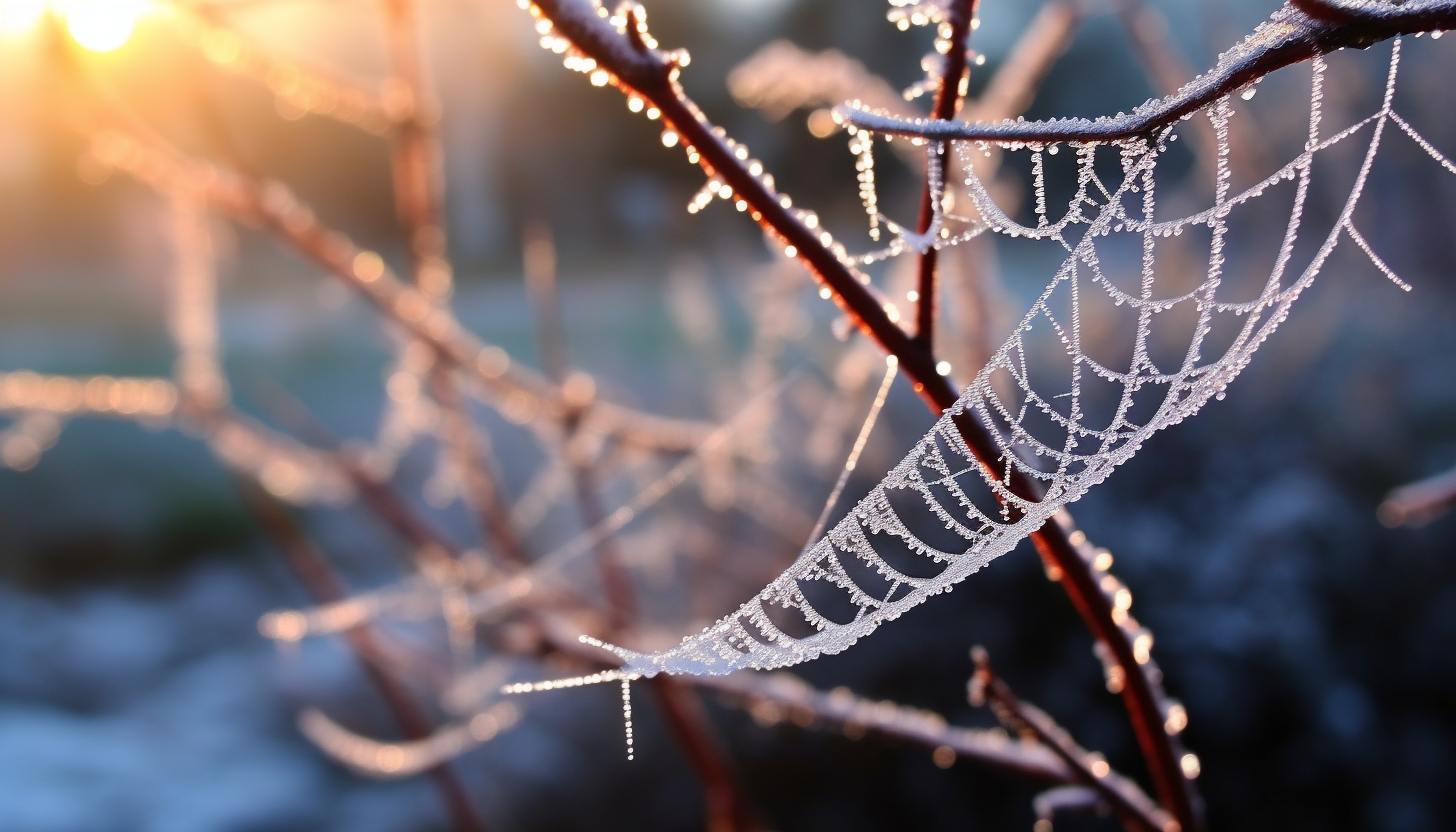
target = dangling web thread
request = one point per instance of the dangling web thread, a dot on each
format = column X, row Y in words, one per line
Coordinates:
column 626, row 679
column 872, row 566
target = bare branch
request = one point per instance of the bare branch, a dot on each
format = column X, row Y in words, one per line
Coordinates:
column 1136, row 809
column 313, row 571
column 1419, row 502
column 953, row 80
column 297, row 87
column 616, row 49
column 273, row 206
column 1297, row 32
column 783, row 695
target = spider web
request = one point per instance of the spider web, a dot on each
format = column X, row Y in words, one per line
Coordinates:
column 940, row 515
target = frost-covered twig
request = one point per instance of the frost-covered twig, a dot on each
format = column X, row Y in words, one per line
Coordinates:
column 953, row 40
column 1135, row 808
column 313, row 571
column 275, row 207
column 1302, row 30
column 782, row 695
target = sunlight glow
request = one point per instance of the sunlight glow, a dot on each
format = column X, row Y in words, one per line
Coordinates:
column 101, row 25
column 20, row 15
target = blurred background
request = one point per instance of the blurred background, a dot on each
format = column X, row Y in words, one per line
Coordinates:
column 1312, row 646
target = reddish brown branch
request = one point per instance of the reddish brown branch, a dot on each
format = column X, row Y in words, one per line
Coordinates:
column 652, row 74
column 616, row 582
column 789, row 696
column 482, row 492
column 312, row 570
column 415, row 154
column 418, row 194
column 1134, row 807
column 724, row 804
column 1419, row 502
column 947, row 102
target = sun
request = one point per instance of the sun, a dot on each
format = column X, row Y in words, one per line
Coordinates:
column 101, row 25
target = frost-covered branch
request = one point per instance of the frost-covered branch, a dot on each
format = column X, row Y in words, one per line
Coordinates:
column 313, row 571
column 783, row 696
column 953, row 41
column 275, row 207
column 618, row 50
column 1088, row 769
column 1299, row 31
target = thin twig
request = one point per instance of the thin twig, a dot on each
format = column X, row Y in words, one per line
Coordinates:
column 274, row 207
column 783, row 695
column 1135, row 808
column 312, row 570
column 416, row 162
column 725, row 806
column 1419, row 502
column 1299, row 31
column 482, row 491
column 947, row 101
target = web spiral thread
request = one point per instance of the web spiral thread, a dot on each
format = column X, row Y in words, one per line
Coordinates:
column 940, row 515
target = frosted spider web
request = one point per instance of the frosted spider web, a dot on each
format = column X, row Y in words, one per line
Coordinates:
column 930, row 522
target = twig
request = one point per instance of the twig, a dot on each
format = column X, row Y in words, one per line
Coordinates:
column 947, row 102
column 275, row 207
column 724, row 806
column 483, row 494
column 791, row 696
column 539, row 252
column 304, row 88
column 1135, row 808
column 1013, row 87
column 319, row 580
column 418, row 192
column 1419, row 502
column 1299, row 31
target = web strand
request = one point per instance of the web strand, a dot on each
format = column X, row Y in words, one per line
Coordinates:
column 1034, row 394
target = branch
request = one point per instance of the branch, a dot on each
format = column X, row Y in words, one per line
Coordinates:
column 417, row 166
column 785, row 693
column 615, row 52
column 312, row 570
column 1088, row 769
column 274, row 207
column 947, row 102
column 1419, row 502
column 1301, row 30
column 726, row 808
